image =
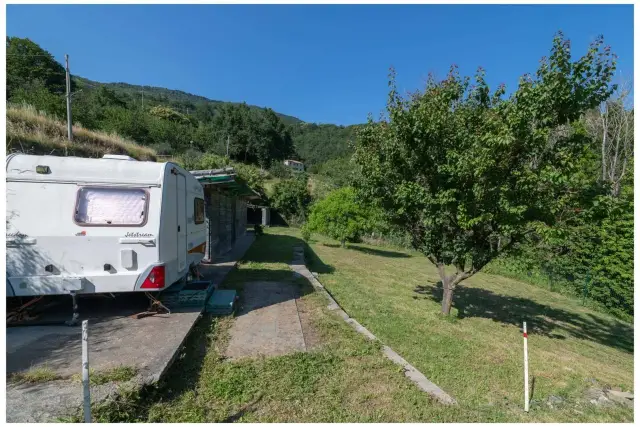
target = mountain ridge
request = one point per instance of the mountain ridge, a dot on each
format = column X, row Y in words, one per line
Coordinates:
column 175, row 95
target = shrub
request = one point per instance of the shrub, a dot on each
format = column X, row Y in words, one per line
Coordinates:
column 306, row 234
column 163, row 148
column 279, row 170
column 37, row 95
column 339, row 216
column 292, row 198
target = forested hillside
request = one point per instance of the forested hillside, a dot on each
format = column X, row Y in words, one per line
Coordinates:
column 169, row 121
column 184, row 102
column 318, row 143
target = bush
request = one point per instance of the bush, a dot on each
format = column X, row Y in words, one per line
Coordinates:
column 279, row 170
column 340, row 171
column 193, row 153
column 306, row 234
column 339, row 216
column 291, row 198
column 37, row 95
column 163, row 148
column 592, row 261
column 167, row 113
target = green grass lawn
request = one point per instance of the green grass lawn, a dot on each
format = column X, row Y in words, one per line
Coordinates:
column 476, row 356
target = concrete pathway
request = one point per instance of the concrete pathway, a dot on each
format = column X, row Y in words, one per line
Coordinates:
column 268, row 322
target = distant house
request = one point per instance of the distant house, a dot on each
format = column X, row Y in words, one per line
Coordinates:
column 295, row 165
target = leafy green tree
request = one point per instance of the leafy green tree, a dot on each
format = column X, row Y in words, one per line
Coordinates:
column 205, row 112
column 105, row 97
column 339, row 216
column 36, row 94
column 468, row 173
column 339, row 171
column 169, row 114
column 292, row 198
column 234, row 125
column 279, row 170
column 277, row 137
column 255, row 136
column 176, row 134
column 594, row 255
column 127, row 123
column 206, row 138
column 26, row 62
column 89, row 106
column 317, row 143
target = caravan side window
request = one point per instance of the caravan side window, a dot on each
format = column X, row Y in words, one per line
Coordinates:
column 198, row 209
column 111, row 206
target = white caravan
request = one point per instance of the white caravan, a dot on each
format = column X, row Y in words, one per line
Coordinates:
column 78, row 225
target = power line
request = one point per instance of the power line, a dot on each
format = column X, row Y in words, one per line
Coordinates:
column 29, row 55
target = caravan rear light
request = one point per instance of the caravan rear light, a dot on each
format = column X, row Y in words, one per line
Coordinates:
column 155, row 279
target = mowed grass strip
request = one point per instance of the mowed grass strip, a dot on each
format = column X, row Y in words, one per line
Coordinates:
column 476, row 354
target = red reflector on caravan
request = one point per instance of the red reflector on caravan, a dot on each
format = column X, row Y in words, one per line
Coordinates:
column 155, row 279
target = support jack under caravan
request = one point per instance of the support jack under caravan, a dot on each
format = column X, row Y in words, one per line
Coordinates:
column 75, row 315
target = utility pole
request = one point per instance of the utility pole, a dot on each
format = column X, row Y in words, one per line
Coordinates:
column 142, row 99
column 227, row 146
column 69, row 128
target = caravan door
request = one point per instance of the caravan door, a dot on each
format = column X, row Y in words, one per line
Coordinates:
column 181, row 204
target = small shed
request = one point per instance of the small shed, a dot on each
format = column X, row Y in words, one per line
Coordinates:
column 225, row 196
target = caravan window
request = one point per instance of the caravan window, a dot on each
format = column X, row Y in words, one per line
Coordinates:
column 111, row 206
column 198, row 209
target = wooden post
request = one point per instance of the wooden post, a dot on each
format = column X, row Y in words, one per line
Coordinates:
column 526, row 368
column 86, row 390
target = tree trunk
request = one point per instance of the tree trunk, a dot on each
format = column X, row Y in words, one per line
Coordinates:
column 447, row 299
column 342, row 243
column 447, row 291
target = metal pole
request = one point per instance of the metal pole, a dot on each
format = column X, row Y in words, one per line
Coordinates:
column 526, row 368
column 85, row 372
column 68, row 76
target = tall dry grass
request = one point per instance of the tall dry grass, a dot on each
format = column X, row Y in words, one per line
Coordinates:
column 34, row 132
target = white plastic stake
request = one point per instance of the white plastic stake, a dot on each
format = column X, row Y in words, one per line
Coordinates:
column 526, row 368
column 85, row 372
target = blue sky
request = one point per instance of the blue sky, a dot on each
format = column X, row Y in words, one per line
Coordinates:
column 321, row 63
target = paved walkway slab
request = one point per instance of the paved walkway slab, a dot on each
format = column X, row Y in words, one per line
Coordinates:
column 268, row 323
